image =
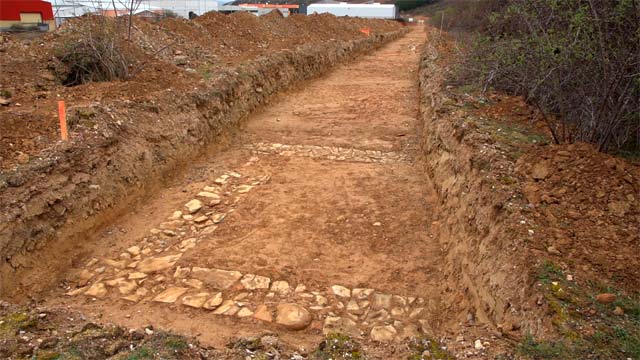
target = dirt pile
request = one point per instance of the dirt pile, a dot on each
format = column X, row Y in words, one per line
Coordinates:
column 174, row 53
column 587, row 207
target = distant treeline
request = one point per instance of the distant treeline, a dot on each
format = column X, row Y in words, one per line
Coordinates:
column 404, row 5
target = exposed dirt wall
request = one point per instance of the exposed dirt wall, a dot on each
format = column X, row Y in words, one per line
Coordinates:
column 514, row 205
column 480, row 228
column 77, row 188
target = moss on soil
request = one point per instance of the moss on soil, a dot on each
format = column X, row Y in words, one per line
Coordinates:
column 586, row 328
column 336, row 347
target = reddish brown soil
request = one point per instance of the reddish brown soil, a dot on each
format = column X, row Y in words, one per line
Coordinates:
column 317, row 222
column 212, row 42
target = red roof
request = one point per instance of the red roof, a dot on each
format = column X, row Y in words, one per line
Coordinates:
column 11, row 9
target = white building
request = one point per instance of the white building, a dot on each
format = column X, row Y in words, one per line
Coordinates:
column 64, row 9
column 371, row 11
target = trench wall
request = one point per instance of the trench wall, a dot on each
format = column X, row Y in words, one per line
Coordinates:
column 52, row 206
column 486, row 271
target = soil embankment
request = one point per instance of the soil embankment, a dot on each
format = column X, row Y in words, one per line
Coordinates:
column 533, row 233
column 122, row 149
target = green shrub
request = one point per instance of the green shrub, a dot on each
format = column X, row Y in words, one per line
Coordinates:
column 576, row 61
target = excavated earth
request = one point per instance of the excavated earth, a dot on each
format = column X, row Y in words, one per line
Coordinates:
column 314, row 221
column 371, row 201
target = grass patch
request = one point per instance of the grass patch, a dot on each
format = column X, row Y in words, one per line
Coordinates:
column 175, row 343
column 336, row 347
column 140, row 354
column 428, row 349
column 586, row 329
column 549, row 271
column 11, row 323
column 542, row 349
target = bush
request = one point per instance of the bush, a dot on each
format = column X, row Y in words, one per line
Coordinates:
column 576, row 61
column 92, row 51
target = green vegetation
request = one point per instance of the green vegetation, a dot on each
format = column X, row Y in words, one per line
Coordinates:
column 176, row 343
column 428, row 349
column 337, row 347
column 4, row 93
column 14, row 322
column 586, row 328
column 575, row 61
column 140, row 354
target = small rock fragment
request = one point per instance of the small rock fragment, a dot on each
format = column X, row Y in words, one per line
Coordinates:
column 214, row 302
column 263, row 314
column 606, row 298
column 341, row 291
column 281, row 287
column 193, row 206
column 244, row 312
column 97, row 290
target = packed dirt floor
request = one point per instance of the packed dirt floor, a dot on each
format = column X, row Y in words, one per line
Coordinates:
column 315, row 219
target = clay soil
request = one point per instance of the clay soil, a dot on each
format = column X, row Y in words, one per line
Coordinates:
column 323, row 195
column 173, row 53
column 336, row 200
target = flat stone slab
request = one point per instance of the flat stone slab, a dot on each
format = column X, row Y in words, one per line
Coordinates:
column 334, row 324
column 196, row 301
column 253, row 282
column 383, row 333
column 151, row 265
column 170, row 295
column 219, row 279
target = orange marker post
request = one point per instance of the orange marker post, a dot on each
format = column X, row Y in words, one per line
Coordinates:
column 62, row 115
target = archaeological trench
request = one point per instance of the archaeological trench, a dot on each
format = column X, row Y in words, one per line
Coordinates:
column 315, row 190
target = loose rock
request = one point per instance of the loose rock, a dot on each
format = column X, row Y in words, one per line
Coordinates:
column 606, row 298
column 341, row 291
column 383, row 333
column 263, row 313
column 293, row 316
column 170, row 295
column 214, row 302
column 97, row 290
column 196, row 301
column 193, row 206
